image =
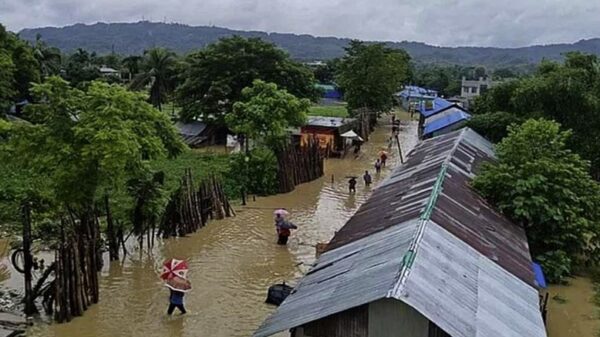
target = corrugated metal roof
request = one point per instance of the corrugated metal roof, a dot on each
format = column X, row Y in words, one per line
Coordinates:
column 465, row 293
column 439, row 105
column 191, row 128
column 463, row 265
column 415, row 91
column 332, row 122
column 445, row 121
column 353, row 275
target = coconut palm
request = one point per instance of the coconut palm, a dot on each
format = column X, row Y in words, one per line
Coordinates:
column 49, row 58
column 132, row 64
column 157, row 72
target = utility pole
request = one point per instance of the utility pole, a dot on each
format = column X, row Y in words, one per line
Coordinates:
column 399, row 149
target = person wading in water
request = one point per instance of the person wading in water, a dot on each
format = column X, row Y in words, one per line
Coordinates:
column 367, row 178
column 352, row 185
column 176, row 301
column 284, row 229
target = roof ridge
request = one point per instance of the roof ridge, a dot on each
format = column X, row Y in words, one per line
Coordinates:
column 424, row 218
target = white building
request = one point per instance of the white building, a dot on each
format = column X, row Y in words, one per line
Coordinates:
column 474, row 88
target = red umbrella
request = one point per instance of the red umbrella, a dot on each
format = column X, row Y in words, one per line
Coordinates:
column 174, row 268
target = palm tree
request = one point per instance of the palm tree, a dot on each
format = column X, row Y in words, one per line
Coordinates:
column 157, row 72
column 49, row 58
column 132, row 64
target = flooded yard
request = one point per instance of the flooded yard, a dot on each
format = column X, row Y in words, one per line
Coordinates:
column 232, row 261
column 572, row 311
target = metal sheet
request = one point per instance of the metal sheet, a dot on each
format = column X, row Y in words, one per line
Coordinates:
column 465, row 293
column 353, row 275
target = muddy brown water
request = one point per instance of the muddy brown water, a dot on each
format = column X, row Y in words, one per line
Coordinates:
column 571, row 310
column 232, row 261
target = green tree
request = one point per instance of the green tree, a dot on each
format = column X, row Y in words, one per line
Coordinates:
column 132, row 64
column 214, row 77
column 81, row 68
column 568, row 93
column 325, row 74
column 493, row 125
column 7, row 79
column 158, row 72
column 266, row 112
column 49, row 58
column 20, row 71
column 547, row 189
column 86, row 145
column 370, row 74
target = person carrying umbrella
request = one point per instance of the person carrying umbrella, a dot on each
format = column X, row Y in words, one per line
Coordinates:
column 283, row 227
column 174, row 274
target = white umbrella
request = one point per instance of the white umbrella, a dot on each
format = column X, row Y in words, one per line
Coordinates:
column 351, row 134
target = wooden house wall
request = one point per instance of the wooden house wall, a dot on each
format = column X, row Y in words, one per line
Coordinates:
column 350, row 323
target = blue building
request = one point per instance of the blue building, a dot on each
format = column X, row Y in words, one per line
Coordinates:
column 329, row 91
column 439, row 116
column 412, row 95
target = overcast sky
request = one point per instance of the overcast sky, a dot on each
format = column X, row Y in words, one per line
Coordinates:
column 503, row 23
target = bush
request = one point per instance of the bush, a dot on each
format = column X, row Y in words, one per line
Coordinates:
column 257, row 171
column 556, row 265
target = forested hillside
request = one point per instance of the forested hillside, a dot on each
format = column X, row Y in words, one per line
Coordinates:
column 134, row 38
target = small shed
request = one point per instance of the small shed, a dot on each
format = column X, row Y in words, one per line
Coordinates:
column 327, row 131
column 196, row 134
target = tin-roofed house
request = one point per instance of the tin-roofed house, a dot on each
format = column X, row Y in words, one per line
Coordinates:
column 424, row 256
column 440, row 109
column 327, row 131
column 444, row 122
column 412, row 96
column 196, row 134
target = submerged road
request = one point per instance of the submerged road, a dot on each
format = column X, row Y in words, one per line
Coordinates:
column 232, row 261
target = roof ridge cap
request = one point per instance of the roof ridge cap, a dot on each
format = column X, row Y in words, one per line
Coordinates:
column 409, row 257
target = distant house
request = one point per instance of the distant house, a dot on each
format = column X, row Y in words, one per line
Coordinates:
column 108, row 71
column 440, row 115
column 473, row 88
column 424, row 256
column 412, row 96
column 329, row 91
column 327, row 131
column 196, row 134
column 446, row 121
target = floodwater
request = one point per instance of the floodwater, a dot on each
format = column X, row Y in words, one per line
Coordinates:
column 4, row 260
column 571, row 310
column 232, row 261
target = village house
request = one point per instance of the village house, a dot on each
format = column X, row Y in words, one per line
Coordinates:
column 412, row 96
column 473, row 88
column 440, row 116
column 329, row 92
column 196, row 134
column 424, row 256
column 327, row 131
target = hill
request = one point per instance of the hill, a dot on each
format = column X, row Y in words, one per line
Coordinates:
column 134, row 38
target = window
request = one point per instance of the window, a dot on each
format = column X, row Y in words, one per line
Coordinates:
column 474, row 90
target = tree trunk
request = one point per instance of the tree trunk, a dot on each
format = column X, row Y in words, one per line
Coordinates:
column 113, row 244
column 30, row 308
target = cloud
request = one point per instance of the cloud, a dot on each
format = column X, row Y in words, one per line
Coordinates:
column 506, row 23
